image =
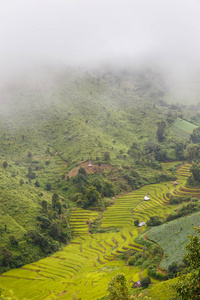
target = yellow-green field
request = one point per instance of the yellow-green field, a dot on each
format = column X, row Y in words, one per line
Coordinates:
column 85, row 266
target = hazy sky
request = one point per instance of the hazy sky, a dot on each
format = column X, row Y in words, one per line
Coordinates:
column 79, row 31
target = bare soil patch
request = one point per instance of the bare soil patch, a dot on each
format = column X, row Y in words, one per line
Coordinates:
column 94, row 168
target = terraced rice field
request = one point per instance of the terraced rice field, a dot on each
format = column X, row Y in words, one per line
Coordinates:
column 131, row 207
column 85, row 266
column 80, row 219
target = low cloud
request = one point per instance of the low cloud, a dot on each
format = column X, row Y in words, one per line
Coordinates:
column 86, row 32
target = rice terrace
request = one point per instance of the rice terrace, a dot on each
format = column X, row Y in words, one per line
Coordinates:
column 84, row 267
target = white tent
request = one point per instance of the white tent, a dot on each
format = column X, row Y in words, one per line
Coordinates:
column 141, row 224
column 146, row 198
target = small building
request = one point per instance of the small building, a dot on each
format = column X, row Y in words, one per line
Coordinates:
column 141, row 224
column 89, row 163
column 146, row 198
column 175, row 182
column 137, row 284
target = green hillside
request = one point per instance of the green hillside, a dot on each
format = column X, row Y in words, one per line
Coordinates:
column 84, row 267
column 51, row 126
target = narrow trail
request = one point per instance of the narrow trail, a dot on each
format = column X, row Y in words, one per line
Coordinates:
column 158, row 266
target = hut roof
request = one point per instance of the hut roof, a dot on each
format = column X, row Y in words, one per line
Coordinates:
column 141, row 224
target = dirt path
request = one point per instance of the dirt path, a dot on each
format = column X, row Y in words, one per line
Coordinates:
column 158, row 267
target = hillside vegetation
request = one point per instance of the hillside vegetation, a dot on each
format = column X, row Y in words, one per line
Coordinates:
column 84, row 267
column 52, row 125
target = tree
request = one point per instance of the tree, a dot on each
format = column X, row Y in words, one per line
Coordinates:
column 56, row 203
column 191, row 152
column 161, row 131
column 29, row 153
column 195, row 135
column 5, row 164
column 156, row 249
column 172, row 270
column 48, row 186
column 179, row 148
column 82, row 171
column 31, row 174
column 145, row 282
column 13, row 240
column 54, row 229
column 136, row 222
column 37, row 184
column 7, row 256
column 117, row 288
column 188, row 286
column 153, row 221
column 92, row 195
column 108, row 189
column 151, row 147
column 44, row 205
column 106, row 156
column 195, row 169
column 21, row 182
column 80, row 180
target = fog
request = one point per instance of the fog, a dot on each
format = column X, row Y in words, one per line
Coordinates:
column 161, row 33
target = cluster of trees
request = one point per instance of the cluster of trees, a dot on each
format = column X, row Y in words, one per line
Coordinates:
column 194, row 179
column 157, row 149
column 52, row 231
column 154, row 221
column 188, row 285
column 118, row 290
column 91, row 190
column 174, row 268
column 176, row 200
column 146, row 261
column 133, row 178
column 54, row 219
column 184, row 211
